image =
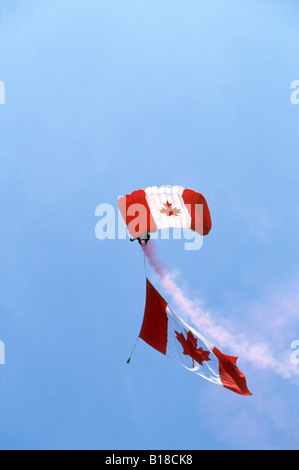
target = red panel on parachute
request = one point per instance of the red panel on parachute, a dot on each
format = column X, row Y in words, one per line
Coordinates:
column 134, row 207
column 193, row 200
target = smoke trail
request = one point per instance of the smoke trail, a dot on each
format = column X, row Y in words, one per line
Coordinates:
column 259, row 354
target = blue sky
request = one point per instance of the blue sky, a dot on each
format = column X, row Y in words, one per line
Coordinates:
column 105, row 97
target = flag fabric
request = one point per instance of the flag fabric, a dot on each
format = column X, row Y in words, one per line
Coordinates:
column 162, row 207
column 166, row 332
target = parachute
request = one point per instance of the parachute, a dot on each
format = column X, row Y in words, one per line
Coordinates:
column 155, row 208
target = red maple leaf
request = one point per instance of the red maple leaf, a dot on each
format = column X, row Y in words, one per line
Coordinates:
column 190, row 348
column 169, row 210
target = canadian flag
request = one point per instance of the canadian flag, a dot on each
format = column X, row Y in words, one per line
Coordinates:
column 162, row 207
column 166, row 332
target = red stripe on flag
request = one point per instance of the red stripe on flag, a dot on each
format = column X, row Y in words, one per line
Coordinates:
column 231, row 377
column 200, row 222
column 128, row 206
column 155, row 321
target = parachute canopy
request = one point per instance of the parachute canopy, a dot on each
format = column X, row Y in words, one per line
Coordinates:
column 155, row 208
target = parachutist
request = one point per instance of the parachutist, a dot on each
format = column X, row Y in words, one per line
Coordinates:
column 144, row 238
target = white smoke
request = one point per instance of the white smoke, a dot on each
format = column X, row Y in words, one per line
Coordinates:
column 260, row 355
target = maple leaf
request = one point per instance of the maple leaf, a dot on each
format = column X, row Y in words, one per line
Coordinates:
column 169, row 210
column 190, row 348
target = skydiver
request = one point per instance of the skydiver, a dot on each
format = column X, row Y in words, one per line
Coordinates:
column 143, row 238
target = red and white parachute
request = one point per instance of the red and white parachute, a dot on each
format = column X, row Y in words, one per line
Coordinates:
column 156, row 208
